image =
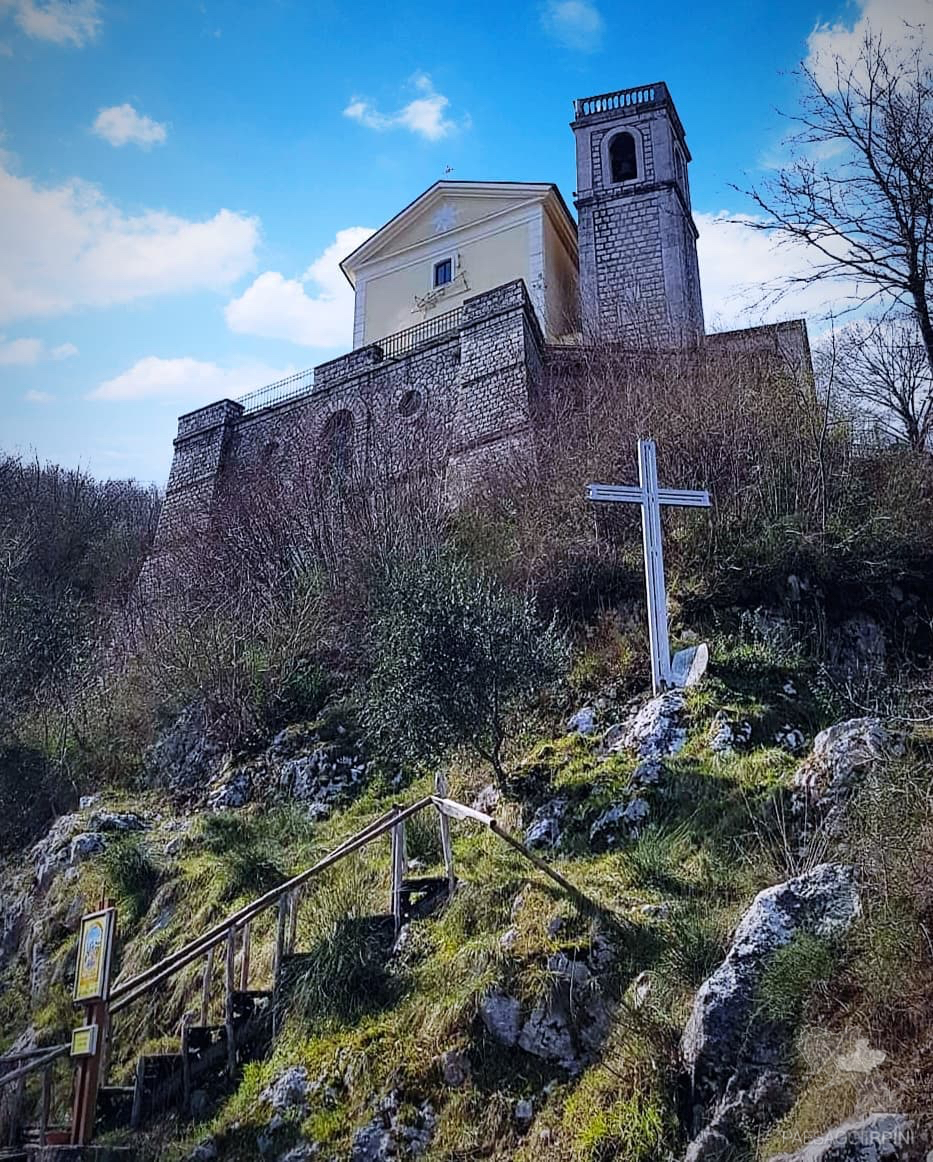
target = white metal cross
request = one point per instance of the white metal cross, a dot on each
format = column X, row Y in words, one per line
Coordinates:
column 651, row 497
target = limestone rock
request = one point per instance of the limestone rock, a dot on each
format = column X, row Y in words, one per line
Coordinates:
column 204, row 1152
column 289, row 1092
column 85, row 845
column 858, row 646
column 116, row 821
column 545, row 827
column 842, row 755
column 570, row 1026
column 455, row 1068
column 729, row 1050
column 502, row 1016
column 656, row 729
column 583, row 721
column 619, row 822
column 725, row 737
column 235, row 790
column 185, row 757
column 390, row 1136
column 524, row 1111
column 878, row 1138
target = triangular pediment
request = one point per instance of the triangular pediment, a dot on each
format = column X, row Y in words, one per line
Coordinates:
column 447, row 208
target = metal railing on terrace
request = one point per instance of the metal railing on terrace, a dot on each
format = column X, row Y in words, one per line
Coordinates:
column 620, row 99
column 391, row 347
column 301, row 383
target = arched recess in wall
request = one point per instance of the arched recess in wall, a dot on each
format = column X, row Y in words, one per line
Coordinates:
column 623, row 158
column 337, row 442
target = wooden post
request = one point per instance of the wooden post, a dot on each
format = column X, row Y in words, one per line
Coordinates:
column 45, row 1104
column 229, row 977
column 84, row 1112
column 16, row 1111
column 185, row 1066
column 399, row 863
column 206, row 986
column 244, row 962
column 280, row 938
column 440, row 788
column 136, row 1114
column 292, row 921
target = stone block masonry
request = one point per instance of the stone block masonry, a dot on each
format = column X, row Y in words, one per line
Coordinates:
column 468, row 390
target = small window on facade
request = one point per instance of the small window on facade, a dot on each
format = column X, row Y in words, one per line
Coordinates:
column 337, row 442
column 443, row 272
column 410, row 404
column 622, row 160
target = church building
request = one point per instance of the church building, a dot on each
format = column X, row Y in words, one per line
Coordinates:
column 466, row 296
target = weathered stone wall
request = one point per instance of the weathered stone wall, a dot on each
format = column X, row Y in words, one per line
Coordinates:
column 466, row 393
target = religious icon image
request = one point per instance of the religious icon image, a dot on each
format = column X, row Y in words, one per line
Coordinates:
column 95, row 945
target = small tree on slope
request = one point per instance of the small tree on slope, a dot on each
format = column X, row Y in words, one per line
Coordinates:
column 453, row 652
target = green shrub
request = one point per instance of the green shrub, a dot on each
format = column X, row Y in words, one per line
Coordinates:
column 343, row 975
column 247, row 858
column 132, row 876
column 454, row 653
column 794, row 974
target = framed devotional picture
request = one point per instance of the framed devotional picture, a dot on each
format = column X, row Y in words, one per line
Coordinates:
column 95, row 950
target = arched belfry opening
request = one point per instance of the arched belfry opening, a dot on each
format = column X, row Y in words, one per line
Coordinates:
column 623, row 161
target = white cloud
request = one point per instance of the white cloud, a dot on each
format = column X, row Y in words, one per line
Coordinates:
column 24, row 352
column 67, row 246
column 741, row 266
column 59, row 21
column 19, row 352
column 185, row 380
column 122, row 125
column 38, row 397
column 889, row 18
column 576, row 24
column 276, row 307
column 424, row 115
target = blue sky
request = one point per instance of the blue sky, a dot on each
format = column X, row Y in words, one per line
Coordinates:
column 178, row 179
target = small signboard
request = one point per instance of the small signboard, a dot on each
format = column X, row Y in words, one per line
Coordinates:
column 84, row 1041
column 95, row 950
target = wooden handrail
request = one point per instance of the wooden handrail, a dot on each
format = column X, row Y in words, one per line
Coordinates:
column 124, row 994
column 35, row 1064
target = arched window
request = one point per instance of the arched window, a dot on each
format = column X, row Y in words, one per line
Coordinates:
column 622, row 160
column 337, row 442
column 681, row 170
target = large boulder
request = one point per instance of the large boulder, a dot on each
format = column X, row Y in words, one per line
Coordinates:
column 878, row 1138
column 842, row 756
column 654, row 730
column 736, row 1059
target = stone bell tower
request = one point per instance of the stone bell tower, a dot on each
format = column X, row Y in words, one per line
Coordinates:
column 639, row 279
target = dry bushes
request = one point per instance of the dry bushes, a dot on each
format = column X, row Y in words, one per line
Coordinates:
column 792, row 488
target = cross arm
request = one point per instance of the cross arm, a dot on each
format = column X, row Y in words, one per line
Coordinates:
column 632, row 494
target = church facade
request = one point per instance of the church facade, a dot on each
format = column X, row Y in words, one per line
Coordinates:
column 467, row 296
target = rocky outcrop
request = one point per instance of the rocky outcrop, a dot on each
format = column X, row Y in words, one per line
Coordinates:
column 566, row 1028
column 654, row 730
column 842, row 756
column 394, row 1133
column 736, row 1058
column 544, row 830
column 878, row 1138
column 185, row 757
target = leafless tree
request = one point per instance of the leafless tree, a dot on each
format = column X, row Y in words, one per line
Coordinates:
column 859, row 187
column 883, row 369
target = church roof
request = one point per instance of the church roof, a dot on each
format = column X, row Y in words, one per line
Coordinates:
column 545, row 192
